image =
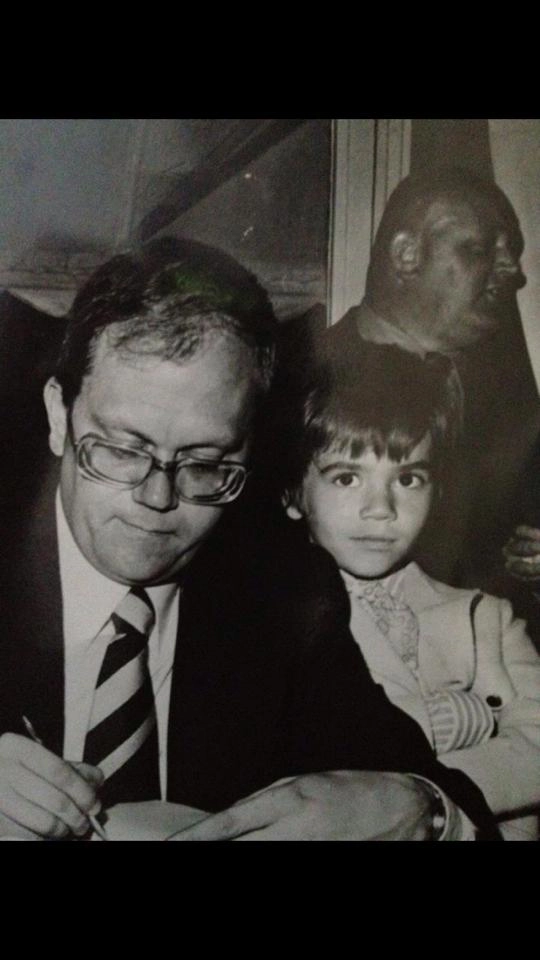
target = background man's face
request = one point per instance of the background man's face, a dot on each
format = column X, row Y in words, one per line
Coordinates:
column 203, row 406
column 467, row 275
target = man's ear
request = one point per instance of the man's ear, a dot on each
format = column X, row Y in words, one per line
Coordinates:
column 291, row 504
column 57, row 416
column 405, row 254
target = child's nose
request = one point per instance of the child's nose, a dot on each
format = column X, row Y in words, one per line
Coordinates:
column 378, row 504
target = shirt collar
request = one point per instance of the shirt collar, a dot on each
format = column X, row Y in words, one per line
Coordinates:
column 393, row 583
column 371, row 326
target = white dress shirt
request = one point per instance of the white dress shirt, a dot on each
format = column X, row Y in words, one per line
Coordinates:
column 88, row 599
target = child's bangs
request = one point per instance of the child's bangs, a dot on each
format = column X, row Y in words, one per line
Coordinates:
column 354, row 435
column 352, row 442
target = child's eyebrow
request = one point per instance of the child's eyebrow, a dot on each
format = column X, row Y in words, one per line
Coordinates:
column 355, row 465
column 338, row 465
column 416, row 465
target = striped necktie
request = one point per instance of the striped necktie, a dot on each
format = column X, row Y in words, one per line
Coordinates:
column 122, row 734
column 393, row 617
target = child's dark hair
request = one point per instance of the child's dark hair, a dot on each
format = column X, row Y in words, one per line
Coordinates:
column 381, row 398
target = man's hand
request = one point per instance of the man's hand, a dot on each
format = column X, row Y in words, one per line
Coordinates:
column 43, row 795
column 341, row 805
column 522, row 553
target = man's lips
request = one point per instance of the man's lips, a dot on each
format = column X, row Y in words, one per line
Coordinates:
column 499, row 295
column 149, row 531
column 496, row 294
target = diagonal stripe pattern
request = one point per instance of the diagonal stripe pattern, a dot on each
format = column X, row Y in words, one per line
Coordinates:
column 122, row 734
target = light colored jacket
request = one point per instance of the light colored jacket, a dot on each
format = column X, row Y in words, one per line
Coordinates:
column 469, row 641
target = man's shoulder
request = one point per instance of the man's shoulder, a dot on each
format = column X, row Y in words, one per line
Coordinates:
column 27, row 515
column 347, row 330
column 271, row 570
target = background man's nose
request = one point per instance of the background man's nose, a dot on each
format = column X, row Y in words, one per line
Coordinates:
column 506, row 266
column 158, row 491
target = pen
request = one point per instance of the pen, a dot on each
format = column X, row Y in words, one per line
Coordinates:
column 93, row 820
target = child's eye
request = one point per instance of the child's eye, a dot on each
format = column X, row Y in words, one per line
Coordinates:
column 345, row 480
column 413, row 481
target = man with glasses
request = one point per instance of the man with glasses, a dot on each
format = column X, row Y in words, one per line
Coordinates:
column 154, row 634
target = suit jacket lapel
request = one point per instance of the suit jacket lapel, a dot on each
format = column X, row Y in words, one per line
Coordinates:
column 446, row 649
column 31, row 649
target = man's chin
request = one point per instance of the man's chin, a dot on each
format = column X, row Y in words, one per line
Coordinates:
column 493, row 313
column 479, row 327
column 140, row 572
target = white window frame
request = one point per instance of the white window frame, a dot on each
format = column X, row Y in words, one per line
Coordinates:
column 369, row 158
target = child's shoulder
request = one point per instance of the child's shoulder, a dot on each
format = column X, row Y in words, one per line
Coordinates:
column 429, row 592
column 416, row 576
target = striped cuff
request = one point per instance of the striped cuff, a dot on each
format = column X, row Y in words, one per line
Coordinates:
column 459, row 718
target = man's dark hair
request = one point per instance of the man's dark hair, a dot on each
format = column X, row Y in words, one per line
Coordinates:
column 383, row 398
column 409, row 203
column 165, row 300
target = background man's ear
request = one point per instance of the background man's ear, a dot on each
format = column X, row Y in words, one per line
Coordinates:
column 291, row 505
column 57, row 415
column 405, row 253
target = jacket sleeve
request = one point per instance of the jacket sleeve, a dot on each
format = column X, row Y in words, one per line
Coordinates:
column 506, row 767
column 340, row 719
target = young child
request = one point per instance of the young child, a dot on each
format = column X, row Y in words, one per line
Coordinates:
column 367, row 443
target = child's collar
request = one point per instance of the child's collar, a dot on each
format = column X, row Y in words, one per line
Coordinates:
column 393, row 582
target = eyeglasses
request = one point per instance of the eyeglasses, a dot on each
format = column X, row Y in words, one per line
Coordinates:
column 195, row 480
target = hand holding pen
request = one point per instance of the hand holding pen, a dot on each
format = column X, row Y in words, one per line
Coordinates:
column 91, row 817
column 42, row 795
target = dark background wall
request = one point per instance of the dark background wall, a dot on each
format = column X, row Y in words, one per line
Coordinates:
column 465, row 142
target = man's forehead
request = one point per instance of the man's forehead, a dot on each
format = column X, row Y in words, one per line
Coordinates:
column 489, row 215
column 447, row 212
column 216, row 381
column 217, row 347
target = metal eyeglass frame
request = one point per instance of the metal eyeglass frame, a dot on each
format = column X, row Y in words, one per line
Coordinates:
column 171, row 467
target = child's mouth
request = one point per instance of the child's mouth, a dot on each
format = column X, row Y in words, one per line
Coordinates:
column 375, row 543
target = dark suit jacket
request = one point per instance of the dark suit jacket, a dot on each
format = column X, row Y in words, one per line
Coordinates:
column 29, row 344
column 267, row 681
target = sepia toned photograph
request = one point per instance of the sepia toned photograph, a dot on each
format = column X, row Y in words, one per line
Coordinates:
column 270, row 484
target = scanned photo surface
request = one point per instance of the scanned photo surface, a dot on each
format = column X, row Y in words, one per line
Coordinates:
column 269, row 496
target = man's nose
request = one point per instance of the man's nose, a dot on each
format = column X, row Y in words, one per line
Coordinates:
column 377, row 503
column 506, row 264
column 158, row 491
